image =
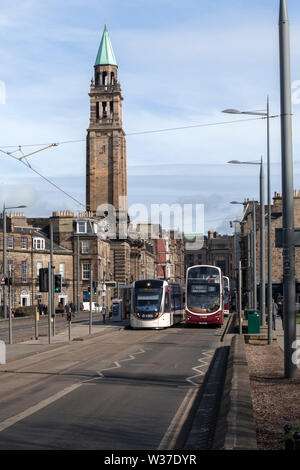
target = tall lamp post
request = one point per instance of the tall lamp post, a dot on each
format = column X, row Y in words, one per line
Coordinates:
column 253, row 251
column 266, row 115
column 289, row 291
column 262, row 239
column 5, row 254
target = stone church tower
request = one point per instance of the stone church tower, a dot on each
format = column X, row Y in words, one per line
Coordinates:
column 106, row 175
column 106, row 145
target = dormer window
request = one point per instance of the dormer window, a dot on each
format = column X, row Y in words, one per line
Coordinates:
column 81, row 227
column 39, row 243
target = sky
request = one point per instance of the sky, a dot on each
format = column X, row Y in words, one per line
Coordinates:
column 179, row 64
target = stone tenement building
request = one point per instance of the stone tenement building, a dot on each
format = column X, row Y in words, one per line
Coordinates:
column 217, row 250
column 83, row 247
column 79, row 253
column 277, row 260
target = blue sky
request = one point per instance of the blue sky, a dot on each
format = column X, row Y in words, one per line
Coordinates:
column 180, row 64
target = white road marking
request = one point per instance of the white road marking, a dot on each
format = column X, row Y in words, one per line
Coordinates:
column 116, row 365
column 33, row 409
column 197, row 369
column 170, row 438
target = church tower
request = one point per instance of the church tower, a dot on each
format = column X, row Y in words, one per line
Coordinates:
column 106, row 145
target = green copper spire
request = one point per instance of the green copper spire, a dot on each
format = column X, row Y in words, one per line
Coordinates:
column 105, row 54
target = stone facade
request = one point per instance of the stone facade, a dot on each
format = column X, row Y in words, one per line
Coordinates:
column 28, row 250
column 218, row 250
column 277, row 259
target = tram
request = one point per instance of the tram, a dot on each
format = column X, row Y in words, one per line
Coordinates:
column 156, row 304
column 227, row 296
column 204, row 296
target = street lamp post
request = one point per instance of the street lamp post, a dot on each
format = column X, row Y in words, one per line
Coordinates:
column 5, row 254
column 262, row 241
column 288, row 252
column 267, row 116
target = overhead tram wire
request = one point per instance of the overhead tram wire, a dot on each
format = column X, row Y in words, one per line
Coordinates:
column 39, row 174
column 48, row 145
column 172, row 129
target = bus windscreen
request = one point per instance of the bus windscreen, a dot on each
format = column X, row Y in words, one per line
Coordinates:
column 203, row 290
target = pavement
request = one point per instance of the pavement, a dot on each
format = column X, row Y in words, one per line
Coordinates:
column 79, row 332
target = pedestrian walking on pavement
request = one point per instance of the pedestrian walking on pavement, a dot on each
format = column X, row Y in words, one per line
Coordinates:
column 280, row 312
column 274, row 313
column 103, row 311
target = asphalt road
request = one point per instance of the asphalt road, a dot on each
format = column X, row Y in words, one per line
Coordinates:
column 127, row 390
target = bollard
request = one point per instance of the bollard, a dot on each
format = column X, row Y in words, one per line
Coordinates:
column 2, row 353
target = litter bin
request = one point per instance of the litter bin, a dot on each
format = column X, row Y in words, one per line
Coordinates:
column 253, row 322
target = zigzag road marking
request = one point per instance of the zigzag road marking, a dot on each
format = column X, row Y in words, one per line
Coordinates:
column 197, row 369
column 117, row 365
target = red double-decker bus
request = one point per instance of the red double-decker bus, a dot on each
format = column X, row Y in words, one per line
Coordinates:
column 204, row 296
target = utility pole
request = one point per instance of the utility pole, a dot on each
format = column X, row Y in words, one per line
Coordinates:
column 52, row 278
column 240, row 297
column 270, row 282
column 49, row 302
column 289, row 291
column 262, row 247
column 4, row 263
column 78, row 274
column 254, row 255
column 91, row 303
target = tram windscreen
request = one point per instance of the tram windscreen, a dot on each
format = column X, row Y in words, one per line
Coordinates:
column 203, row 290
column 148, row 301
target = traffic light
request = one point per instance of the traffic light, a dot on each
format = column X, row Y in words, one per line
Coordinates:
column 69, row 316
column 89, row 290
column 57, row 283
column 95, row 287
column 43, row 280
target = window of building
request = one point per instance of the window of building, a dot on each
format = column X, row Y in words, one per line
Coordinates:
column 104, row 109
column 104, row 78
column 39, row 266
column 85, row 246
column 24, row 271
column 39, row 243
column 62, row 270
column 81, row 227
column 24, row 243
column 10, row 242
column 86, row 271
column 10, row 267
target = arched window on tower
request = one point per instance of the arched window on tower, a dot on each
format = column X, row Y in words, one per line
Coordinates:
column 112, row 78
column 104, row 109
column 104, row 78
column 111, row 109
column 97, row 110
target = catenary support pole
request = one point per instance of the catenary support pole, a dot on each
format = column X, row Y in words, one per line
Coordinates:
column 289, row 290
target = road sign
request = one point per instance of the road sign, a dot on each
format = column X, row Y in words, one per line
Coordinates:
column 2, row 279
column 110, row 283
